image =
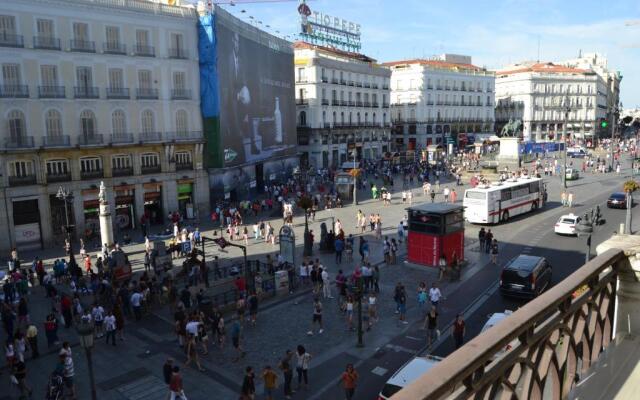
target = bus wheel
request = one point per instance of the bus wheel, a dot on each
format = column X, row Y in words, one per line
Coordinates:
column 505, row 216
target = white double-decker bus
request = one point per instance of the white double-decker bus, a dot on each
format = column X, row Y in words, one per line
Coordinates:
column 497, row 202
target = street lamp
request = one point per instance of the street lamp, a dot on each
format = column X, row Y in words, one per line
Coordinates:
column 65, row 195
column 85, row 332
column 615, row 113
column 359, row 291
column 306, row 204
column 355, row 179
column 566, row 109
column 585, row 228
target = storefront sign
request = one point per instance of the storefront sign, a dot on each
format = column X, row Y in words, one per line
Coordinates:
column 324, row 29
column 27, row 234
column 227, row 195
column 252, row 184
column 287, row 244
column 272, row 177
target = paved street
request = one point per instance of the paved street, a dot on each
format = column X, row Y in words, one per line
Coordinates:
column 283, row 321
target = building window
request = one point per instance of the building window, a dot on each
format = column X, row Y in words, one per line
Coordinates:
column 116, row 78
column 118, row 122
column 303, row 118
column 144, row 79
column 183, row 157
column 142, row 38
column 179, row 81
column 87, row 123
column 182, row 124
column 112, row 33
column 11, row 75
column 84, row 76
column 7, row 25
column 121, row 161
column 90, row 164
column 57, row 167
column 147, row 121
column 44, row 27
column 80, row 31
column 53, row 123
column 16, row 125
column 21, row 169
column 49, row 75
column 149, row 160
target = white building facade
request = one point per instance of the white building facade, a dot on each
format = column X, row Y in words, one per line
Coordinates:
column 442, row 100
column 342, row 102
column 551, row 100
column 91, row 91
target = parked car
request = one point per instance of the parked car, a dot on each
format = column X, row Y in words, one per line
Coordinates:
column 618, row 200
column 408, row 373
column 495, row 319
column 577, row 152
column 572, row 174
column 566, row 225
column 525, row 276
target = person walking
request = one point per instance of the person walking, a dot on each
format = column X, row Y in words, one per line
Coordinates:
column 570, row 199
column 287, row 372
column 32, row 339
column 235, row 339
column 19, row 371
column 302, row 365
column 349, row 381
column 270, row 379
column 176, row 390
column 481, row 238
column 434, row 295
column 401, row 300
column 445, row 193
column 458, row 331
column 317, row 316
column 563, row 198
column 248, row 391
column 431, row 324
column 488, row 239
column 494, row 252
column 326, row 284
column 110, row 328
column 192, row 352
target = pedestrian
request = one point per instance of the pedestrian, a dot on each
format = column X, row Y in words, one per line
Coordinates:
column 302, row 365
column 253, row 307
column 401, row 301
column 32, row 339
column 432, row 194
column 494, row 252
column 167, row 371
column 349, row 380
column 488, row 241
column 326, row 284
column 373, row 309
column 285, row 367
column 248, row 390
column 110, row 327
column 338, row 245
column 570, row 199
column 458, row 331
column 563, row 198
column 136, row 304
column 431, row 324
column 270, row 379
column 69, row 372
column 434, row 295
column 192, row 353
column 482, row 238
column 176, row 390
column 97, row 313
column 51, row 329
column 445, row 193
column 235, row 339
column 19, row 371
column 117, row 313
column 317, row 317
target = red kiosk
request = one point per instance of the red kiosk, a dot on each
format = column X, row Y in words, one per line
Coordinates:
column 435, row 229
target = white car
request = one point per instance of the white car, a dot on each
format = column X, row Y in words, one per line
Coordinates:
column 494, row 319
column 566, row 225
column 408, row 373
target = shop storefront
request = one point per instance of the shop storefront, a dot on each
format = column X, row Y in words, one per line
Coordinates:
column 125, row 207
column 91, row 211
column 58, row 217
column 185, row 198
column 153, row 202
column 26, row 221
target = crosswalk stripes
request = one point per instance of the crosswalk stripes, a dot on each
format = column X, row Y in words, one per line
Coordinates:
column 147, row 388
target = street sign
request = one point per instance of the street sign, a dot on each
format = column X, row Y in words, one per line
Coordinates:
column 222, row 242
column 287, row 244
column 186, row 247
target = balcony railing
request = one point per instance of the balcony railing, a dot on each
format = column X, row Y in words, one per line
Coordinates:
column 93, row 174
column 302, row 102
column 367, row 85
column 335, row 81
column 324, row 79
column 180, row 94
column 56, row 141
column 178, row 53
column 343, row 81
column 62, row 177
column 21, row 142
column 90, row 140
column 11, row 40
column 150, row 169
column 146, row 94
column 559, row 334
column 51, row 92
column 114, row 48
column 385, row 87
column 86, row 92
column 150, row 137
column 46, row 43
column 184, row 166
column 22, row 180
column 122, row 138
column 14, row 91
column 118, row 93
column 85, row 46
column 185, row 136
column 128, row 171
column 144, row 50
column 325, row 102
column 358, row 84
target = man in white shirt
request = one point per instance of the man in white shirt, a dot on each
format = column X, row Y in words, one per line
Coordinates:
column 326, row 284
column 136, row 303
column 435, row 295
column 97, row 312
column 192, row 328
column 445, row 192
column 110, row 327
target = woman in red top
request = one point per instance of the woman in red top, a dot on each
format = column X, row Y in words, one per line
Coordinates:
column 349, row 379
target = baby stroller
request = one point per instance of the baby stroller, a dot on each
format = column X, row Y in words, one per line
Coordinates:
column 55, row 387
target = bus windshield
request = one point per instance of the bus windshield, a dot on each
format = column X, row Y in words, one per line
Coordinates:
column 470, row 194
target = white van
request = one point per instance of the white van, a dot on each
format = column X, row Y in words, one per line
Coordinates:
column 577, row 152
column 408, row 373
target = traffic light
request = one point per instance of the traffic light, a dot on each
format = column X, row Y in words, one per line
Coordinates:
column 604, row 123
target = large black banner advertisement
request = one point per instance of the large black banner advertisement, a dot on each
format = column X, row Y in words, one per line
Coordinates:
column 257, row 94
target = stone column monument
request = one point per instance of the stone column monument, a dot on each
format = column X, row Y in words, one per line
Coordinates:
column 106, row 227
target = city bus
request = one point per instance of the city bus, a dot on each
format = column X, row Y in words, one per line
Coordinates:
column 497, row 202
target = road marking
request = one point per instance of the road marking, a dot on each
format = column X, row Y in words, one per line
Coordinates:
column 379, row 371
column 398, row 349
column 414, row 338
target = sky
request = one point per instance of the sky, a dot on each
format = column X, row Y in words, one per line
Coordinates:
column 494, row 33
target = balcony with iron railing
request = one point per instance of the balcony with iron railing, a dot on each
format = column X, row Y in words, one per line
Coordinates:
column 374, row 86
column 150, row 137
column 351, row 83
column 358, row 84
column 51, row 92
column 385, row 105
column 180, row 94
column 324, row 79
column 46, row 43
column 11, row 40
column 117, row 93
column 56, row 141
column 14, row 91
column 19, row 142
column 302, row 102
column 325, row 102
column 121, row 138
column 83, row 46
column 150, row 169
column 59, row 177
column 93, row 139
column 335, row 81
column 22, row 180
column 114, row 48
column 366, row 85
column 146, row 94
column 576, row 340
column 343, row 82
column 141, row 50
column 86, row 92
column 335, row 102
column 184, row 166
column 178, row 53
column 186, row 136
column 92, row 174
column 122, row 171
column 385, row 87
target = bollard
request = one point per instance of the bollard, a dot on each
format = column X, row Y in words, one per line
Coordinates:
column 621, row 229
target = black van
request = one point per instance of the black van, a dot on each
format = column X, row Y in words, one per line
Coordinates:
column 525, row 276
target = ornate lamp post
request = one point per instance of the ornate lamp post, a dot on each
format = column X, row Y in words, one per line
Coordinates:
column 306, row 203
column 566, row 109
column 355, row 172
column 85, row 332
column 630, row 186
column 66, row 196
column 585, row 228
